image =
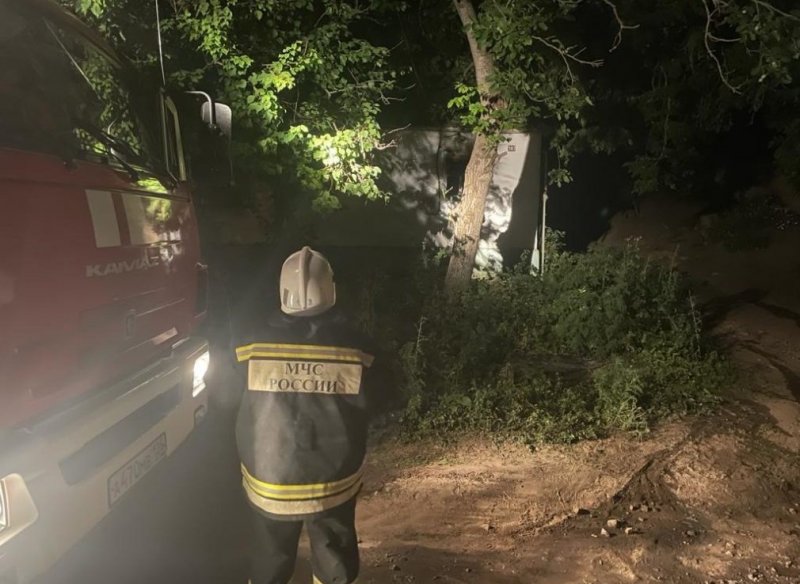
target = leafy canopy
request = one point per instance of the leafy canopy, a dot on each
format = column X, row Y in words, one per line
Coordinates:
column 304, row 82
column 315, row 83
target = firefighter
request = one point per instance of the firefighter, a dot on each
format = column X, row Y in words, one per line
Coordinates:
column 302, row 427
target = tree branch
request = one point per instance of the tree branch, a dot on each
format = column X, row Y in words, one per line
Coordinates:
column 621, row 26
column 395, row 130
column 567, row 55
column 717, row 39
column 776, row 10
column 706, row 38
column 484, row 66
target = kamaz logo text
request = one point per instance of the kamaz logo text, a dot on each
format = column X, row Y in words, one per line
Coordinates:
column 121, row 267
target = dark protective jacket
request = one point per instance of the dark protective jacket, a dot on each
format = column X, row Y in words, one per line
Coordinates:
column 302, row 425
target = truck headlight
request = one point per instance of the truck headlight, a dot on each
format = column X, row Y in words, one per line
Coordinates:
column 17, row 509
column 199, row 373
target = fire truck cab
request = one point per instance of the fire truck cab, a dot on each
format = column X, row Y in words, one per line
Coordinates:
column 102, row 285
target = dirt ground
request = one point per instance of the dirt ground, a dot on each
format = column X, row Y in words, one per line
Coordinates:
column 711, row 499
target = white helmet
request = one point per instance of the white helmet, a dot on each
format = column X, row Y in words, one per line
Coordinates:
column 307, row 287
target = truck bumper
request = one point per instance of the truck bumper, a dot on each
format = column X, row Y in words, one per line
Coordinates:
column 78, row 464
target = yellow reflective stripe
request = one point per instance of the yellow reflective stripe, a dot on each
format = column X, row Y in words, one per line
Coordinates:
column 277, row 487
column 299, row 507
column 300, row 492
column 351, row 356
column 304, row 496
column 302, row 346
column 335, row 352
column 245, row 352
column 299, row 355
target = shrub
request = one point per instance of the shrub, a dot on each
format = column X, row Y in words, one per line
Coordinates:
column 603, row 341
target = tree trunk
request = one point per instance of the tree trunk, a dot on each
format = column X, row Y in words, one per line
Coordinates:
column 469, row 213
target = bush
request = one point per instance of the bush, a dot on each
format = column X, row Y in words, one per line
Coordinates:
column 604, row 341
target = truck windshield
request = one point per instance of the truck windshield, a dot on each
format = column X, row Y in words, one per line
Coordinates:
column 58, row 96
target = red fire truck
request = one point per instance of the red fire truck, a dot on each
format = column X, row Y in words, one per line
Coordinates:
column 102, row 287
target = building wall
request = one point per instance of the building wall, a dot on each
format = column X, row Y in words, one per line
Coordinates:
column 424, row 174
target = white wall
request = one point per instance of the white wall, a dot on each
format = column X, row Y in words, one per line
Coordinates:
column 420, row 169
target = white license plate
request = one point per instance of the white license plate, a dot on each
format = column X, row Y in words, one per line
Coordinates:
column 122, row 480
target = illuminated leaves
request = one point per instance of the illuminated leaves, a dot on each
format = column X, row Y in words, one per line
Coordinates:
column 93, row 7
column 300, row 76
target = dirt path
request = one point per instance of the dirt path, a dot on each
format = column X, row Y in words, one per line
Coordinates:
column 715, row 499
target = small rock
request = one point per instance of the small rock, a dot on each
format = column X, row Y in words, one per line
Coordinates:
column 395, row 568
column 487, row 527
column 690, row 533
column 631, row 531
column 614, row 523
column 604, row 533
column 640, row 519
column 633, row 507
column 646, row 508
column 789, row 563
column 581, row 511
column 792, row 510
column 468, row 570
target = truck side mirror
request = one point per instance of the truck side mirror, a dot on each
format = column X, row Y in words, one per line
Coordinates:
column 216, row 116
column 222, row 117
column 210, row 145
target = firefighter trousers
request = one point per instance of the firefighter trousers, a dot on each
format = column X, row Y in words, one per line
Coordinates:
column 334, row 547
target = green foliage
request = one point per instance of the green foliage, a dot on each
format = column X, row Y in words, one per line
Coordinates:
column 661, row 81
column 312, row 82
column 310, row 87
column 304, row 82
column 692, row 71
column 537, row 77
column 93, row 7
column 604, row 341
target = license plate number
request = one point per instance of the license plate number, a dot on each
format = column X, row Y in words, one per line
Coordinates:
column 122, row 480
